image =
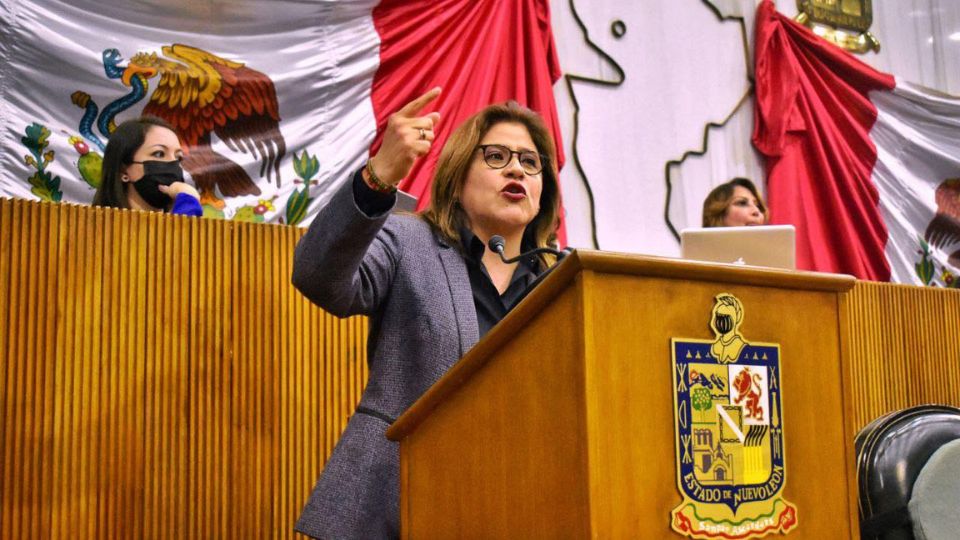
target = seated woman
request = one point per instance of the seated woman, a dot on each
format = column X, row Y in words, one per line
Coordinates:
column 145, row 153
column 429, row 284
column 734, row 204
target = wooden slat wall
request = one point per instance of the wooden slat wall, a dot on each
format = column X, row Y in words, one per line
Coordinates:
column 160, row 376
column 903, row 347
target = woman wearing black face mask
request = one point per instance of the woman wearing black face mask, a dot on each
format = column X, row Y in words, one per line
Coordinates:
column 141, row 170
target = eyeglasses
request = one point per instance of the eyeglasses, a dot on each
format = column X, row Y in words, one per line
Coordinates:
column 498, row 156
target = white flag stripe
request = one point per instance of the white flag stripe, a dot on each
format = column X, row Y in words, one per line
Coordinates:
column 917, row 135
column 320, row 58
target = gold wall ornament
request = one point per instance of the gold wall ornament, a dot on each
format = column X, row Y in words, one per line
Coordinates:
column 845, row 23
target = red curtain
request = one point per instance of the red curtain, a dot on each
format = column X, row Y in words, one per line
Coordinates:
column 812, row 123
column 478, row 52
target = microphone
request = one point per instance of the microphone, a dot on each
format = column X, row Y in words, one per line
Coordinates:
column 497, row 244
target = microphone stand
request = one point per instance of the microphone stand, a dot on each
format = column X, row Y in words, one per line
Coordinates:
column 497, row 244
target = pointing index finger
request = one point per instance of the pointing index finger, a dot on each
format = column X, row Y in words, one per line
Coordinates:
column 414, row 107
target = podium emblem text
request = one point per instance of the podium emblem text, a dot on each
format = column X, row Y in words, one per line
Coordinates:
column 731, row 467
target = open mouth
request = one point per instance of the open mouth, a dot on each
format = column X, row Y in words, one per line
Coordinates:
column 514, row 191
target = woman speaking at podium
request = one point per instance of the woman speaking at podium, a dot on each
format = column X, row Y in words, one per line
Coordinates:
column 427, row 282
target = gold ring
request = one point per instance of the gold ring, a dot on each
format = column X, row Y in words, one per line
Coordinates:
column 423, row 135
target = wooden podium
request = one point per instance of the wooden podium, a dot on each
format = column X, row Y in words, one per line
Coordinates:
column 560, row 423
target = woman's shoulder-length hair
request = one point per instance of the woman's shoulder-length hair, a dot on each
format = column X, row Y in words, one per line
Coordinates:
column 719, row 199
column 445, row 214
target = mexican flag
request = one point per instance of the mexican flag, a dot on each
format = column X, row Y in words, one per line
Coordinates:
column 276, row 102
column 866, row 166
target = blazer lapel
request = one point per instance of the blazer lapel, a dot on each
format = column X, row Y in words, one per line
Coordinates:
column 459, row 282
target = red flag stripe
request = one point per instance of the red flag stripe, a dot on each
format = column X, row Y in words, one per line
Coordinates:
column 812, row 124
column 478, row 52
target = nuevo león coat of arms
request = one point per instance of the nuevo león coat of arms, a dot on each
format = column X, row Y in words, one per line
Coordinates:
column 731, row 468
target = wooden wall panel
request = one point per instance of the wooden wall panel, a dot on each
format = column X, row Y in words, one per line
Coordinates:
column 903, row 348
column 160, row 377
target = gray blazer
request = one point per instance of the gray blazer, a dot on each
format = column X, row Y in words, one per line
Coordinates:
column 415, row 288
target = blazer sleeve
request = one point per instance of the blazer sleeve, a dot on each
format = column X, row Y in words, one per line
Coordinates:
column 346, row 261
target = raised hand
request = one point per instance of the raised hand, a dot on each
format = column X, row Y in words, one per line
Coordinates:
column 406, row 138
column 179, row 187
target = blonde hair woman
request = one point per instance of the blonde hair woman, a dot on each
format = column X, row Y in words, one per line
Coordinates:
column 734, row 204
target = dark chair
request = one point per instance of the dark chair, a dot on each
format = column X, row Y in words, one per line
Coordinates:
column 891, row 453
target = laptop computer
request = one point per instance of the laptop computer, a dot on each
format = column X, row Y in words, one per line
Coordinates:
column 766, row 245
